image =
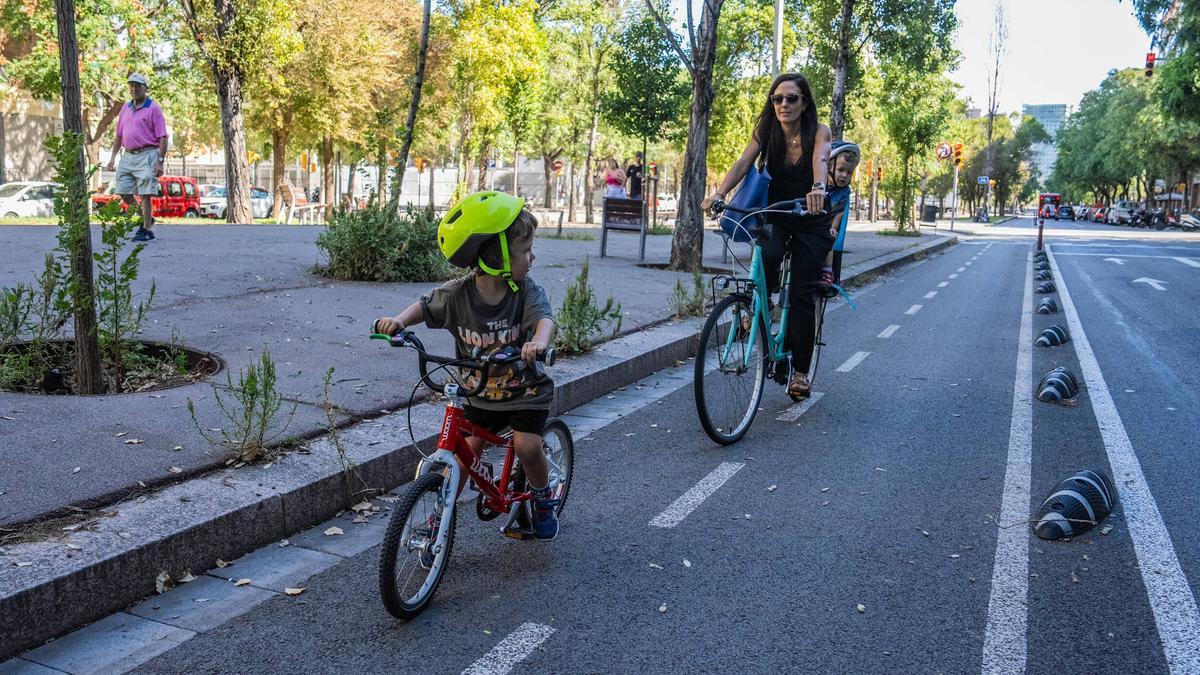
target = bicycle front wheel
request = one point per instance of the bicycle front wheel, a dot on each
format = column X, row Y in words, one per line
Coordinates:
column 730, row 370
column 411, row 565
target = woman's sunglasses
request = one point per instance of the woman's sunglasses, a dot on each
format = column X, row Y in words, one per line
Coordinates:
column 790, row 98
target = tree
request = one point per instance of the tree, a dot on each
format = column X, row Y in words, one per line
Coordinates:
column 916, row 107
column 996, row 46
column 687, row 244
column 1175, row 25
column 236, row 37
column 414, row 101
column 648, row 84
column 114, row 38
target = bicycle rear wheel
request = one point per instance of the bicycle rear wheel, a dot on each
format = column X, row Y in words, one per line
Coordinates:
column 730, row 370
column 410, row 566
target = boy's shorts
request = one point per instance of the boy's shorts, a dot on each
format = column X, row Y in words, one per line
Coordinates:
column 529, row 421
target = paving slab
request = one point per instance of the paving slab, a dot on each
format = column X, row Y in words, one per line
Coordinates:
column 202, row 604
column 115, row 643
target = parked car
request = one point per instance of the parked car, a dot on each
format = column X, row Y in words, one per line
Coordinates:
column 214, row 204
column 1065, row 213
column 1121, row 213
column 178, row 197
column 27, row 198
column 1100, row 215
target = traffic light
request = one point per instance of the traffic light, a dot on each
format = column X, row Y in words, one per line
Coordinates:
column 958, row 154
column 878, row 173
column 420, row 162
column 1150, row 64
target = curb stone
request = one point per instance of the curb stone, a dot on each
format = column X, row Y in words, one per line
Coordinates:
column 113, row 562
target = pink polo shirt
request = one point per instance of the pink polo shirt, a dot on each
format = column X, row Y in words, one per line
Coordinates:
column 141, row 126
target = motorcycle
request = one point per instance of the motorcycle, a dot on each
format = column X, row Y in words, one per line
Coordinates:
column 1189, row 222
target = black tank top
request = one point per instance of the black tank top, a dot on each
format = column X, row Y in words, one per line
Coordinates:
column 789, row 182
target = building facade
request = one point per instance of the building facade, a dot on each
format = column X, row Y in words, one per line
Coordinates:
column 1052, row 116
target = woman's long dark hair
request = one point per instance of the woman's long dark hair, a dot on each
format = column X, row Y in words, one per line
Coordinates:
column 769, row 133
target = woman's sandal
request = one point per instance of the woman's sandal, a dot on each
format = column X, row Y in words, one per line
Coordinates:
column 799, row 388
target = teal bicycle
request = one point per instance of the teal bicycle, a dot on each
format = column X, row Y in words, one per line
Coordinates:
column 740, row 340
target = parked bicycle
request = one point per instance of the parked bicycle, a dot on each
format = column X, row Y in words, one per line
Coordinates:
column 420, row 535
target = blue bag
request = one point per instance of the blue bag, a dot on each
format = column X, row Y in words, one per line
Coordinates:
column 750, row 196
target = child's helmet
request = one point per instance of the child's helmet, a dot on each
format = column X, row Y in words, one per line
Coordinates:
column 472, row 222
column 839, row 147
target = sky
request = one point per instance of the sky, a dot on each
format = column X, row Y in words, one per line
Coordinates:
column 1057, row 50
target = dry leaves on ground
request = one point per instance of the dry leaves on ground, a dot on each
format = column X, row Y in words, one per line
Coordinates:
column 293, row 591
column 334, row 531
column 242, row 582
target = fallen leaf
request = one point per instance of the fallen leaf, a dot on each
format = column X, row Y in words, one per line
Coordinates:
column 654, row 426
column 222, row 563
column 293, row 591
column 1106, row 529
column 360, row 520
column 487, row 632
column 285, row 543
column 861, row 608
column 73, row 546
column 175, row 469
column 825, row 503
column 925, row 532
column 824, row 489
column 656, row 566
column 747, row 516
column 361, row 506
column 162, row 582
column 24, row 564
column 687, row 563
column 134, row 441
column 662, row 609
column 333, row 531
column 242, row 582
column 125, row 535
column 76, row 470
column 630, row 434
column 880, row 469
column 72, row 528
column 187, row 576
column 123, row 433
column 955, row 555
column 177, row 448
column 772, row 488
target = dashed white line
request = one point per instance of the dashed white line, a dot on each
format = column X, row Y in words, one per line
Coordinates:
column 952, row 276
column 1171, row 598
column 889, row 331
column 690, row 500
column 968, row 263
column 930, row 294
column 511, row 650
column 1189, row 262
column 1004, row 643
column 793, row 413
column 858, row 358
column 944, row 284
column 914, row 309
column 961, row 269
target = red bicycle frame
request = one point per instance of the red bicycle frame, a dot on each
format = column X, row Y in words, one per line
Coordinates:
column 455, row 430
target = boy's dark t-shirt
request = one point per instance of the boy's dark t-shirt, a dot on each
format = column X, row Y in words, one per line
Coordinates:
column 457, row 307
column 635, row 179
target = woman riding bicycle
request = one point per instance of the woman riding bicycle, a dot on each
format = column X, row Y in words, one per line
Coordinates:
column 794, row 147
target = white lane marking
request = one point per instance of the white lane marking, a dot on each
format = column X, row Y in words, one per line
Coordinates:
column 889, row 331
column 858, row 358
column 1175, row 611
column 1187, row 261
column 1004, row 648
column 511, row 650
column 944, row 284
column 930, row 294
column 793, row 413
column 913, row 310
column 961, row 270
column 1156, row 283
column 952, row 276
column 677, row 511
column 968, row 263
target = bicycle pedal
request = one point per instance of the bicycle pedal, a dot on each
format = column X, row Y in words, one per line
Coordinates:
column 518, row 533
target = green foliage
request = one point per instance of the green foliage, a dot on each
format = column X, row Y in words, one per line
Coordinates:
column 580, row 320
column 916, row 108
column 350, row 473
column 120, row 317
column 649, row 84
column 379, row 244
column 685, row 302
column 249, row 406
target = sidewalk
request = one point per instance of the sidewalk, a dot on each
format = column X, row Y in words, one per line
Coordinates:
column 223, row 300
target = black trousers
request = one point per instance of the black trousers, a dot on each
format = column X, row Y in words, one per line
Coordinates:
column 808, row 245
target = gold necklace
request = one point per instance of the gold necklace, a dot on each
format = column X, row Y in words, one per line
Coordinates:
column 793, row 142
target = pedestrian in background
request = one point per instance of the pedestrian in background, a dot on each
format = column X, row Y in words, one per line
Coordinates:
column 614, row 181
column 633, row 177
column 142, row 135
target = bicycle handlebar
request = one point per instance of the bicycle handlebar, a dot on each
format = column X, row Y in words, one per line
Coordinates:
column 508, row 355
column 795, row 207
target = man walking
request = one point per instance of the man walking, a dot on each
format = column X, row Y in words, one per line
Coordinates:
column 633, row 177
column 142, row 133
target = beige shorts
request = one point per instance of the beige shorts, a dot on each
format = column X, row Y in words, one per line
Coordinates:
column 135, row 173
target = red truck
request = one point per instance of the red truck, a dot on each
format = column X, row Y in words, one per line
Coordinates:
column 178, row 197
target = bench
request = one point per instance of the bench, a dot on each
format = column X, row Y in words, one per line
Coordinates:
column 623, row 214
column 296, row 205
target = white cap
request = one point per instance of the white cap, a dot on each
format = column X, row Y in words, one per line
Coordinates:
column 139, row 78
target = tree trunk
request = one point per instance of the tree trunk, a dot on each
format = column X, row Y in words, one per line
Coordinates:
column 237, row 171
column 687, row 244
column 571, row 194
column 414, row 104
column 547, row 176
column 516, row 169
column 279, row 141
column 351, row 185
column 88, row 378
column 841, row 64
column 588, row 187
column 327, row 175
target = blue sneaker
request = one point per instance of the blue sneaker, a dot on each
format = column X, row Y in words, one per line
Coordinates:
column 141, row 235
column 545, row 515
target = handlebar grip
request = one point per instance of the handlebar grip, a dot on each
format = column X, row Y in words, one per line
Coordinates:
column 549, row 357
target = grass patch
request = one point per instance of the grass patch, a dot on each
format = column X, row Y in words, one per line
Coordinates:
column 569, row 236
column 660, row 230
column 892, row 232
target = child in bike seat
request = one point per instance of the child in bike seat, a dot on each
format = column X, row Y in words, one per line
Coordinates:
column 843, row 160
column 494, row 307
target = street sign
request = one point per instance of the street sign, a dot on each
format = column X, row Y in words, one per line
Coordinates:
column 944, row 150
column 982, row 180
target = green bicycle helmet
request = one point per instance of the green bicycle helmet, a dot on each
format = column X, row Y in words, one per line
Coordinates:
column 472, row 222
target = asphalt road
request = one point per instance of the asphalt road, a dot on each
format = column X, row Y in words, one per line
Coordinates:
column 859, row 536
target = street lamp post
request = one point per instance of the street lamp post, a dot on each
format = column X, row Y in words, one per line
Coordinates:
column 954, row 198
column 777, row 62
